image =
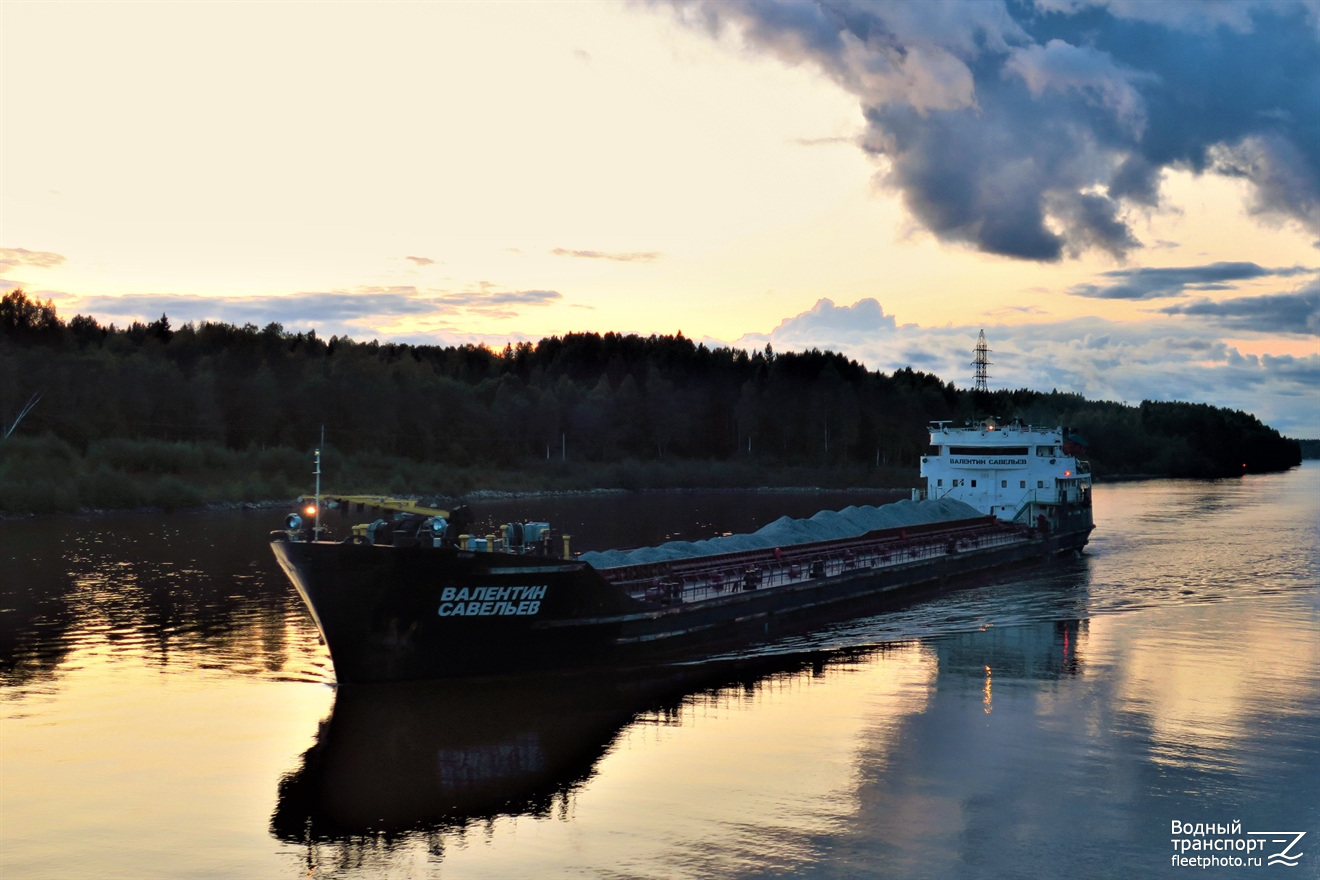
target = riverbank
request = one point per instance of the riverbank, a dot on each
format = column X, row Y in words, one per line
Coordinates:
column 45, row 475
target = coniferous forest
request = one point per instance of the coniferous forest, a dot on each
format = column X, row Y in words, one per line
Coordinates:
column 153, row 415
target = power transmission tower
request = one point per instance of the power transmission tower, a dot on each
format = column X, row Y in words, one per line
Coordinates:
column 982, row 361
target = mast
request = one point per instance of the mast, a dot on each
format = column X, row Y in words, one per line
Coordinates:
column 316, row 531
column 982, row 361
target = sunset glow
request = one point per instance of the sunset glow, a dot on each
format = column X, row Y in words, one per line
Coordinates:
column 475, row 172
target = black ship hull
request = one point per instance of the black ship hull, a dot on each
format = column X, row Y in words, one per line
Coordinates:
column 407, row 613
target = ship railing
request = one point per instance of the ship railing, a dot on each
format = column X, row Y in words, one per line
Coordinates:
column 1026, row 513
column 709, row 577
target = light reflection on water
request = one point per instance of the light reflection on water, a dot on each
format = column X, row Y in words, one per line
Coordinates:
column 172, row 591
column 166, row 712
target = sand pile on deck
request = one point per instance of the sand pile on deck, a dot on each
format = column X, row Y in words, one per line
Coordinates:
column 827, row 525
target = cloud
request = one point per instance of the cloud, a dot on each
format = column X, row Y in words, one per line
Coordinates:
column 366, row 311
column 12, row 258
column 862, row 320
column 1032, row 131
column 629, row 257
column 822, row 141
column 1015, row 311
column 1205, row 15
column 1157, row 283
column 487, row 299
column 1297, row 312
column 421, row 261
column 1304, row 371
column 1098, row 358
column 1284, row 183
column 18, row 258
column 1061, row 67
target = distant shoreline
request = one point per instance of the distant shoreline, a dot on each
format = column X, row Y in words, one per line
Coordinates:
column 479, row 495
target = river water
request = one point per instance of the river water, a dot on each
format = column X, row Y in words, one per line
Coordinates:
column 166, row 710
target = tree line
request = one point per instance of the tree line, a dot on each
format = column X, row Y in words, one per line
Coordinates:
column 113, row 398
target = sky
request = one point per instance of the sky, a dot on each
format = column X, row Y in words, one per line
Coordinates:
column 1124, row 195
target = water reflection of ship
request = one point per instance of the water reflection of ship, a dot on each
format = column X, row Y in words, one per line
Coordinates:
column 414, row 756
column 1031, row 651
column 394, row 759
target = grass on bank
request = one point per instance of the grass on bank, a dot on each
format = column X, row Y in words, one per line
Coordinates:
column 48, row 475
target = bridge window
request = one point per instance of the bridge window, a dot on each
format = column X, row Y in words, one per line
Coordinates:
column 987, row 450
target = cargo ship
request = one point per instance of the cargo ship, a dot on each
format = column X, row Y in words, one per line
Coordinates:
column 413, row 594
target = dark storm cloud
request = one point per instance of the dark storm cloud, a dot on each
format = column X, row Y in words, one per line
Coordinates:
column 625, row 257
column 1028, row 130
column 1297, row 312
column 1172, row 281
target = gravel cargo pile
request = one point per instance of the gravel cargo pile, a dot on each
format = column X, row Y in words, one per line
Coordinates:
column 784, row 532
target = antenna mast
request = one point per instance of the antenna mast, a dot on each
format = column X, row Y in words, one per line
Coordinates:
column 982, row 361
column 316, row 529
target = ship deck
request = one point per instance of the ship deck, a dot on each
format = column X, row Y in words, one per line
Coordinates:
column 701, row 578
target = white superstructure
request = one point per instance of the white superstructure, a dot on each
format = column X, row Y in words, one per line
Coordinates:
column 1009, row 471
